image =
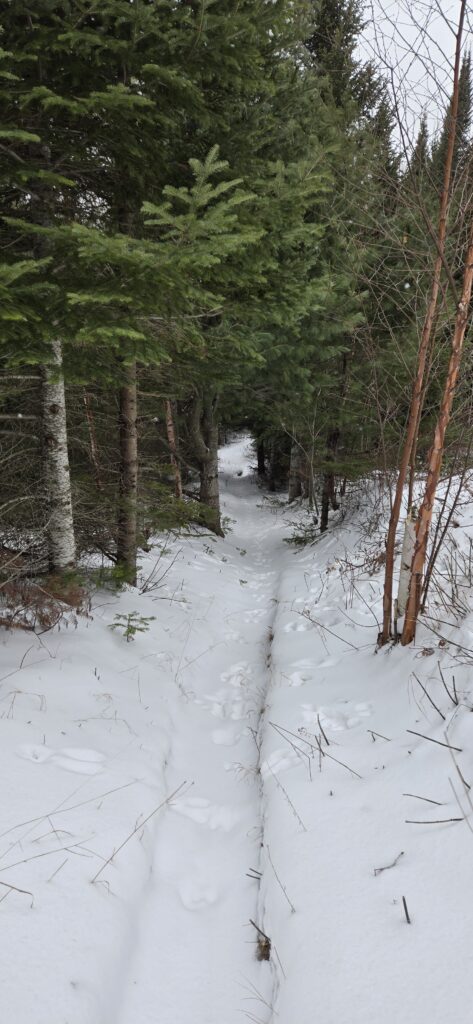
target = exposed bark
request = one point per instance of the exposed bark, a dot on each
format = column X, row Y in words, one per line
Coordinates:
column 128, row 475
column 408, row 546
column 204, row 435
column 424, row 345
column 436, row 453
column 272, row 466
column 324, row 506
column 60, row 529
column 295, row 472
column 329, row 495
column 93, row 446
column 172, row 442
column 261, row 457
column 308, row 481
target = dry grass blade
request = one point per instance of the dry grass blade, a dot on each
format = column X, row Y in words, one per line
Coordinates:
column 138, row 829
column 429, row 698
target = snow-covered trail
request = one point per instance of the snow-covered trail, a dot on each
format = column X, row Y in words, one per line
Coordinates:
column 297, row 750
column 195, row 949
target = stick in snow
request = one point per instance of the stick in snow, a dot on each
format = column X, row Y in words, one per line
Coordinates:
column 406, row 910
column 373, row 734
column 448, row 745
column 378, row 871
column 431, row 821
column 426, row 798
column 429, row 698
column 14, row 888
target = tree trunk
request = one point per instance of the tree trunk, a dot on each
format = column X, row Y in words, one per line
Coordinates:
column 172, row 442
column 272, row 466
column 295, row 472
column 436, row 453
column 324, row 506
column 93, row 446
column 424, row 346
column 128, row 475
column 209, row 485
column 204, row 434
column 261, row 457
column 308, row 481
column 329, row 496
column 60, row 529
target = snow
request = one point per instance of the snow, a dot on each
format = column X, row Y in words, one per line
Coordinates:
column 245, row 758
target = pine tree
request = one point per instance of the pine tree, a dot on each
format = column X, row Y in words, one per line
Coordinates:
column 462, row 129
column 348, row 83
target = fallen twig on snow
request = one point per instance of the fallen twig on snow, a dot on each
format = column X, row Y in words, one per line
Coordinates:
column 14, row 888
column 429, row 698
column 378, row 871
column 431, row 740
column 426, row 798
column 433, row 821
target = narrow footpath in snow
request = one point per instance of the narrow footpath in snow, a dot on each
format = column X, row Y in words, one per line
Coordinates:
column 195, row 946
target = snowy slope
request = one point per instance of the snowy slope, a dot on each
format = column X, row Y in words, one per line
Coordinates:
column 247, row 757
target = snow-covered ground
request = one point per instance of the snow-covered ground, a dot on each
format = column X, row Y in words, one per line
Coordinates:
column 245, row 758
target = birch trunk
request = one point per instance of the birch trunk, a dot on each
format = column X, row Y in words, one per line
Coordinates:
column 436, row 453
column 424, row 345
column 128, row 475
column 172, row 442
column 60, row 529
column 408, row 546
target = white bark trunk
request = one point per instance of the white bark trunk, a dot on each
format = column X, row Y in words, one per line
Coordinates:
column 60, row 529
column 408, row 546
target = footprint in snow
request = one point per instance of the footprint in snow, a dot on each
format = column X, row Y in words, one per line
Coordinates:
column 222, row 705
column 295, row 627
column 343, row 715
column 237, row 675
column 196, row 895
column 204, row 813
column 225, row 737
column 254, row 615
column 72, row 759
column 279, row 761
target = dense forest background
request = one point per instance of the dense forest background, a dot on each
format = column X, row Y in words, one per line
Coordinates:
column 210, row 220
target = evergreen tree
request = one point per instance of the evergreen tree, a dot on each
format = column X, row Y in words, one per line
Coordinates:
column 463, row 124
